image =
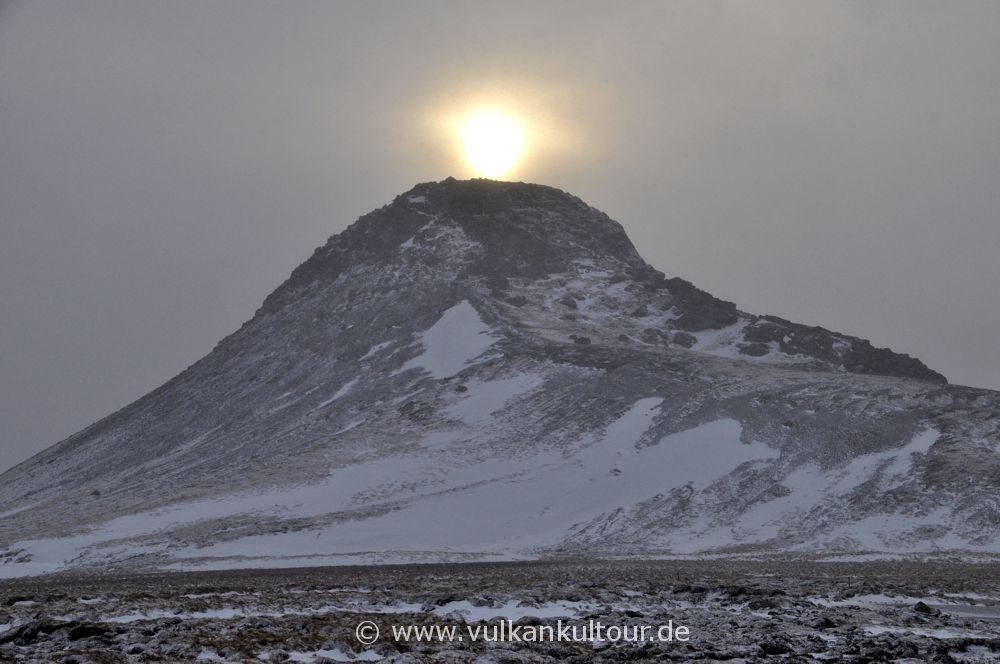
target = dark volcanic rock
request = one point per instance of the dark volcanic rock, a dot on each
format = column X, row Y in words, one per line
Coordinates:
column 699, row 310
column 853, row 354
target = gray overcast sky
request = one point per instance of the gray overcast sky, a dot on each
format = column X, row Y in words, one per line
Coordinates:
column 165, row 165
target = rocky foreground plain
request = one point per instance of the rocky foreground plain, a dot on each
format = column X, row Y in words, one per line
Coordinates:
column 735, row 611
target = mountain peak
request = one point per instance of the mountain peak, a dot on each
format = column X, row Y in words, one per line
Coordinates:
column 484, row 228
column 522, row 229
column 510, row 240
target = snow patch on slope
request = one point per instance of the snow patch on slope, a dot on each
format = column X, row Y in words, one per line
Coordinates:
column 374, row 350
column 812, row 488
column 459, row 337
column 444, row 498
column 708, row 452
column 344, row 389
column 495, row 506
column 517, row 506
column 485, row 398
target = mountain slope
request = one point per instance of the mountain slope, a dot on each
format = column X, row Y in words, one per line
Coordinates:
column 485, row 369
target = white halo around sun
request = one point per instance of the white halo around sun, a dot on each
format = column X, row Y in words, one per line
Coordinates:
column 493, row 143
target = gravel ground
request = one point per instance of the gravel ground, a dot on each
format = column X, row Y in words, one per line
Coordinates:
column 737, row 611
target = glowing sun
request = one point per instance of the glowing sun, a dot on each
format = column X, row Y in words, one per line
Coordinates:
column 493, row 143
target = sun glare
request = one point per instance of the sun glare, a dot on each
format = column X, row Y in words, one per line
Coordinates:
column 493, row 143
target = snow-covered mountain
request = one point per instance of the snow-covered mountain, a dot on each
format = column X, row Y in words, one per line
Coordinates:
column 490, row 370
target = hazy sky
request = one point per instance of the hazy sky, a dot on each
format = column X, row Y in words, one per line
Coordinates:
column 165, row 165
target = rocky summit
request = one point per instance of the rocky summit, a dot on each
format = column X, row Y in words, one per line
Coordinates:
column 488, row 370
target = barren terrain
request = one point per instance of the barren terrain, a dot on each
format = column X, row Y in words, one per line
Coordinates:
column 741, row 611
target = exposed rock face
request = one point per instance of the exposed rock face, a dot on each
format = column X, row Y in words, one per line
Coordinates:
column 481, row 344
column 528, row 232
column 853, row 354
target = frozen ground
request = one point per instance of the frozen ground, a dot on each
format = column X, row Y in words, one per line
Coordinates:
column 739, row 611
